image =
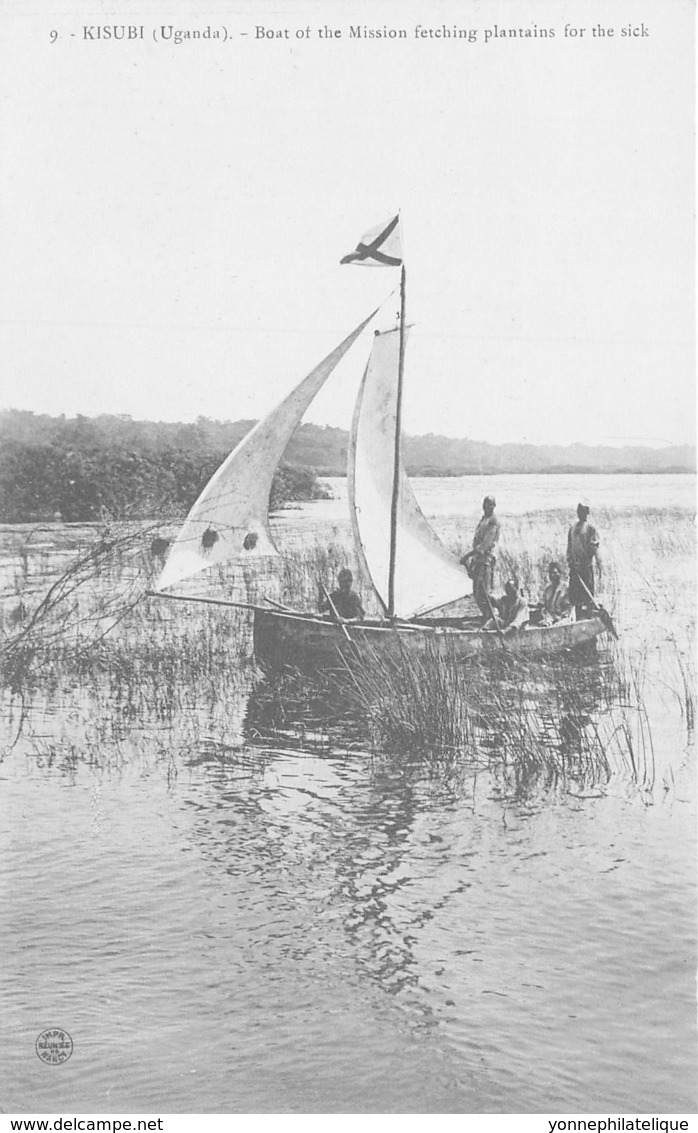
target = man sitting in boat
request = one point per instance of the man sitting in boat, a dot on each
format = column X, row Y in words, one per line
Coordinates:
column 512, row 610
column 555, row 603
column 342, row 604
column 479, row 562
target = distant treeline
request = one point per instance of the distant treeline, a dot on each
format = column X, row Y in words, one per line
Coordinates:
column 325, row 450
column 77, row 468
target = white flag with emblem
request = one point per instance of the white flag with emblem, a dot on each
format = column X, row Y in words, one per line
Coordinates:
column 379, row 248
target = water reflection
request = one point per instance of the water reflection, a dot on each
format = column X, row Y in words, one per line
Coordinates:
column 268, row 901
column 532, row 731
column 368, row 841
column 546, row 728
column 346, row 900
column 539, row 724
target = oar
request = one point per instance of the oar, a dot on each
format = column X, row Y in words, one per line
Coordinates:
column 226, row 602
column 207, row 601
column 606, row 619
column 494, row 619
column 333, row 608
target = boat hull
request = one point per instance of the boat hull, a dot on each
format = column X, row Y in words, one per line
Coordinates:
column 282, row 639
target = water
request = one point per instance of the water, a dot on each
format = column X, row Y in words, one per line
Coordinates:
column 463, row 495
column 289, row 923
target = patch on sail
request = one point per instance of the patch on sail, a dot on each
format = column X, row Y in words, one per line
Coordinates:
column 229, row 518
column 209, row 538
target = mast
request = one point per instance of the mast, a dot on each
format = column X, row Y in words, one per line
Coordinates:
column 395, row 502
column 427, row 575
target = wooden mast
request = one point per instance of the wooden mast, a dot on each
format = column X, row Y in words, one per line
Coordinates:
column 396, row 466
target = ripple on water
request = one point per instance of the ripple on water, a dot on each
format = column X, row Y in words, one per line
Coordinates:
column 285, row 924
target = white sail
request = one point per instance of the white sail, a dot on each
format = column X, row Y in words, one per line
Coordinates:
column 426, row 574
column 229, row 519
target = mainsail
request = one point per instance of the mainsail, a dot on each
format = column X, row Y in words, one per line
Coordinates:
column 426, row 574
column 229, row 519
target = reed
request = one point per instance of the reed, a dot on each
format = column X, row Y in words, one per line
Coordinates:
column 686, row 660
column 156, row 676
column 563, row 719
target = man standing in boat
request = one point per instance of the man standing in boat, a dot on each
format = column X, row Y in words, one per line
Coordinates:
column 479, row 562
column 582, row 546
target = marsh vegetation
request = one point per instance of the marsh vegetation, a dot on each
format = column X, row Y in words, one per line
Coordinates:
column 77, row 626
column 456, row 873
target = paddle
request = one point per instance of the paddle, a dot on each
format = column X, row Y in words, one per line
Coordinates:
column 225, row 602
column 207, row 601
column 606, row 619
column 333, row 610
column 494, row 619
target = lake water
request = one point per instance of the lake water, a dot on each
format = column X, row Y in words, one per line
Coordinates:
column 287, row 922
column 516, row 495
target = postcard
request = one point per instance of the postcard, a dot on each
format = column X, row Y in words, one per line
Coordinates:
column 347, row 552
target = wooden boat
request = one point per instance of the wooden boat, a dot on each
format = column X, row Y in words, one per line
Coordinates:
column 304, row 641
column 413, row 576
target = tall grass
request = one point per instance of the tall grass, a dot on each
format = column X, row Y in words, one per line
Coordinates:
column 97, row 589
column 564, row 718
column 143, row 666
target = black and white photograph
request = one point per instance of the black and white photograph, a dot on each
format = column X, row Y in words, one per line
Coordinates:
column 348, row 562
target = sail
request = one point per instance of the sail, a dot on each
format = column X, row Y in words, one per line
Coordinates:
column 229, row 519
column 426, row 574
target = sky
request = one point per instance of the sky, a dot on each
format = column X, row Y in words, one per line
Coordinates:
column 172, row 216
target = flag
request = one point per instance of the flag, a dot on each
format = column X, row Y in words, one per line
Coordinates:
column 381, row 247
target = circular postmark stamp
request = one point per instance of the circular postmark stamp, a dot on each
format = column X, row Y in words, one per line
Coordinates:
column 54, row 1046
